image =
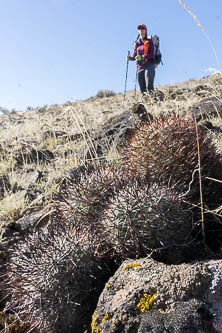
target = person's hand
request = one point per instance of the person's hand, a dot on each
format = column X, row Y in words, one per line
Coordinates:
column 139, row 57
column 127, row 58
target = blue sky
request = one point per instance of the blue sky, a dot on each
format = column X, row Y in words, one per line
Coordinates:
column 53, row 51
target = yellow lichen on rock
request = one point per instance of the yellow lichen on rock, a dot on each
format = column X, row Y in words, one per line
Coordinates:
column 130, row 266
column 146, row 302
column 107, row 317
column 95, row 328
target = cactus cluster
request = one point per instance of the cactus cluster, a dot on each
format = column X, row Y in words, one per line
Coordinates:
column 166, row 149
column 54, row 279
column 142, row 217
column 89, row 197
column 111, row 213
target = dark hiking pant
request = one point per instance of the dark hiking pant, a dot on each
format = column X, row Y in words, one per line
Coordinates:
column 146, row 77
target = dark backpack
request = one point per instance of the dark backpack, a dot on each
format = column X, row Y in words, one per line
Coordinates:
column 157, row 53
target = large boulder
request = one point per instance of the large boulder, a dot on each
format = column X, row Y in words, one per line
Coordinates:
column 146, row 296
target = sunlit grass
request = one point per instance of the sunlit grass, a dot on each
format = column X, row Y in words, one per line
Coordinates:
column 82, row 118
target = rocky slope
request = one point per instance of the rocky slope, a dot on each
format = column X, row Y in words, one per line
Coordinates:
column 45, row 151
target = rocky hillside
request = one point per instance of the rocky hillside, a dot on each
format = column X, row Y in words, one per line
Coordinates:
column 73, row 170
column 38, row 146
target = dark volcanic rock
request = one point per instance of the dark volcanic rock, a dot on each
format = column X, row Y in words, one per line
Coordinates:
column 207, row 125
column 210, row 106
column 159, row 95
column 75, row 174
column 180, row 94
column 53, row 134
column 15, row 231
column 4, row 184
column 65, row 136
column 155, row 96
column 34, row 156
column 203, row 90
column 32, row 220
column 145, row 296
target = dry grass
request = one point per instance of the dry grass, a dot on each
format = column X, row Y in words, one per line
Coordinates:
column 12, row 207
column 23, row 130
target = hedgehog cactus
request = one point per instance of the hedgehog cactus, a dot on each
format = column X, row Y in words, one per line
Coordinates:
column 87, row 198
column 166, row 149
column 54, row 279
column 143, row 217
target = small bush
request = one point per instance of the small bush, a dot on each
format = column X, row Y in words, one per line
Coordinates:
column 105, row 93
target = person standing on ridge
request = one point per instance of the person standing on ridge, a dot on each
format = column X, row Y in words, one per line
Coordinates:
column 144, row 55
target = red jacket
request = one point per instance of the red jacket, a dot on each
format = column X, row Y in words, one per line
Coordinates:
column 144, row 48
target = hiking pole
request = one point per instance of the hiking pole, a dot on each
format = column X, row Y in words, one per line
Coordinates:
column 127, row 65
column 136, row 82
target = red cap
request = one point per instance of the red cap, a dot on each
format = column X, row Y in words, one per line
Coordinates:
column 142, row 26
